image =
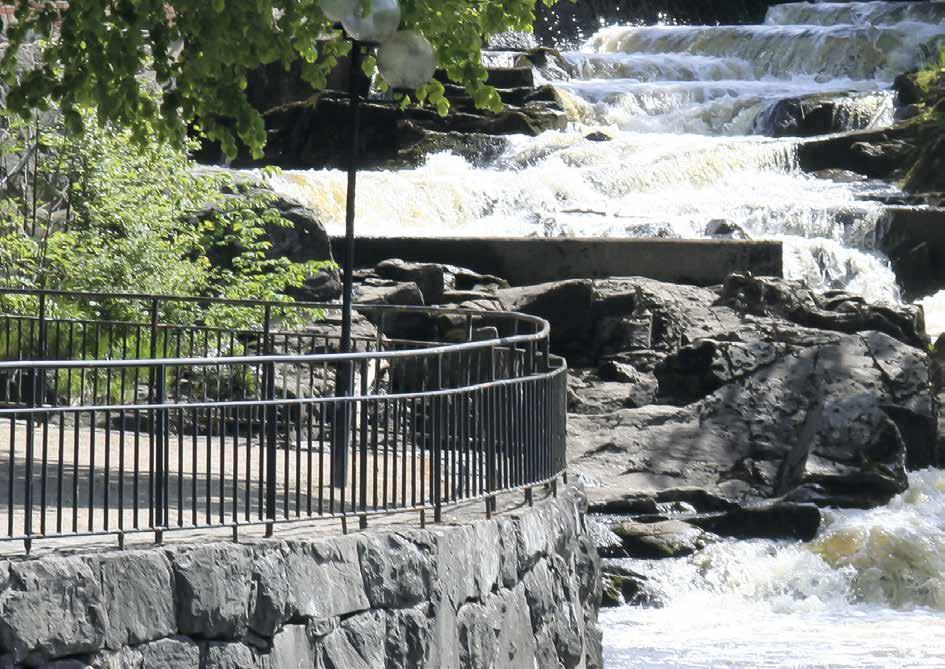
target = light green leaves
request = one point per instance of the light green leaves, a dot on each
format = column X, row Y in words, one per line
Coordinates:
column 200, row 52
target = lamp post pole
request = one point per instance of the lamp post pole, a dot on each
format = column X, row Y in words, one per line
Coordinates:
column 410, row 62
column 344, row 380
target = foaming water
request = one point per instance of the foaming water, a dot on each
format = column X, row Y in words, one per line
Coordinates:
column 855, row 13
column 869, row 591
column 686, row 109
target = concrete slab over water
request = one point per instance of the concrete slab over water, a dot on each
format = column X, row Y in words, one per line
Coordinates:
column 524, row 261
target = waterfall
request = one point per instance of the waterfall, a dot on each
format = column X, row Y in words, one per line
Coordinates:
column 687, row 109
column 869, row 591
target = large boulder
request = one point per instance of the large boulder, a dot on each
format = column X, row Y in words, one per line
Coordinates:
column 834, row 311
column 913, row 238
column 823, row 113
column 848, row 414
column 764, row 388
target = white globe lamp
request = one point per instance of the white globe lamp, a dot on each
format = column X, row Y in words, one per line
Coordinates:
column 406, row 60
column 377, row 25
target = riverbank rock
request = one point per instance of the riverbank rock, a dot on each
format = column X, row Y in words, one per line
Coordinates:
column 663, row 539
column 823, row 113
column 764, row 387
column 778, row 520
column 913, row 238
column 312, row 129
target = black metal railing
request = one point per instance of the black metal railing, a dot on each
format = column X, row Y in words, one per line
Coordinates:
column 114, row 425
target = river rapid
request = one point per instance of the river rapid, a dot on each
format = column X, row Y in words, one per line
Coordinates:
column 686, row 110
column 869, row 591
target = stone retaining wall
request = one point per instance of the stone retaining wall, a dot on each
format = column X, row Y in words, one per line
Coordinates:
column 520, row 590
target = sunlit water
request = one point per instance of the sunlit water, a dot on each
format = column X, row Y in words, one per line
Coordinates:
column 869, row 591
column 685, row 107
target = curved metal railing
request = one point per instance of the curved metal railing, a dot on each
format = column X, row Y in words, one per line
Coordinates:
column 134, row 422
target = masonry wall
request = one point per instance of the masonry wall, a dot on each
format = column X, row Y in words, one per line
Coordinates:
column 520, row 590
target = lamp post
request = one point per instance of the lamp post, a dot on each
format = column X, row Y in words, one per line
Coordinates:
column 406, row 61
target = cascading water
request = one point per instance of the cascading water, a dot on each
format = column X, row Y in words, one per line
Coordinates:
column 868, row 592
column 685, row 108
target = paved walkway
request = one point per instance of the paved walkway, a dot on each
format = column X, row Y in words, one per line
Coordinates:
column 91, row 486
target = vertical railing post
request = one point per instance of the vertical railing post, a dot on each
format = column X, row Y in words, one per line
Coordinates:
column 33, row 399
column 489, row 430
column 363, row 447
column 41, row 349
column 160, row 449
column 438, row 452
column 269, row 418
column 153, row 418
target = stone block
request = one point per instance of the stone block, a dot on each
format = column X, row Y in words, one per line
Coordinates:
column 51, row 608
column 213, row 584
column 358, row 643
column 224, row 655
column 138, row 589
column 487, row 549
column 307, row 580
column 411, row 639
column 456, row 568
column 399, row 570
column 478, row 636
column 291, row 649
column 177, row 652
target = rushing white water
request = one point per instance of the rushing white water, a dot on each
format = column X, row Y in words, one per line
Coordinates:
column 685, row 106
column 869, row 591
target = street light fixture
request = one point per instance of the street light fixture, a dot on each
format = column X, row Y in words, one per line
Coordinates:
column 409, row 62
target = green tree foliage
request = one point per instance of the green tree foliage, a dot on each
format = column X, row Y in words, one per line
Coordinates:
column 99, row 212
column 200, row 52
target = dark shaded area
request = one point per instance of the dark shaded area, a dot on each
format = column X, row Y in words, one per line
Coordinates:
column 565, row 22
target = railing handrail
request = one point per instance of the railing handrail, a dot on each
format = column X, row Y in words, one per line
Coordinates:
column 542, row 331
column 293, row 304
column 430, row 412
column 287, row 402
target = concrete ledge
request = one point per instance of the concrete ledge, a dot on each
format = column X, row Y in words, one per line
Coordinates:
column 526, row 261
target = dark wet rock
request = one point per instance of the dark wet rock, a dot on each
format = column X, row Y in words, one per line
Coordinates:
column 665, row 539
column 877, row 154
column 722, row 229
column 914, row 240
column 907, row 112
column 430, row 278
column 630, row 504
column 908, row 90
column 513, row 40
column 566, row 305
column 848, row 412
column 834, row 311
column 777, row 520
column 700, row 369
column 598, row 136
column 419, row 142
column 822, row 113
column 928, row 173
column 840, row 176
column 389, row 292
column 314, row 131
column 622, row 586
column 619, row 372
column 435, row 280
column 698, row 498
